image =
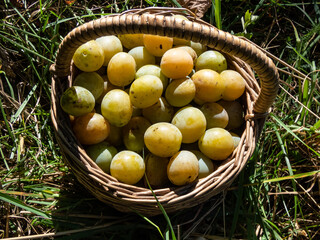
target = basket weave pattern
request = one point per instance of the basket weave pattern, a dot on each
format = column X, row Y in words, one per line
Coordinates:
column 241, row 56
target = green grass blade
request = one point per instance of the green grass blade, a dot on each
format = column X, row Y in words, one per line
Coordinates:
column 292, row 133
column 296, row 204
column 43, row 82
column 70, row 19
column 8, row 82
column 152, row 223
column 23, row 105
column 300, row 55
column 149, row 2
column 25, row 21
column 4, row 115
column 176, row 3
column 6, row 198
column 291, row 177
column 173, row 236
column 26, row 49
column 306, row 14
column 3, row 157
column 273, row 227
column 316, row 126
column 284, row 151
column 216, row 4
column 305, row 96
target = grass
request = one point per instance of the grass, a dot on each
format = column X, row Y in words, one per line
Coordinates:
column 277, row 195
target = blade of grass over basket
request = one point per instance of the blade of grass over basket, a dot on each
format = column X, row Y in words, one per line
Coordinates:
column 18, row 203
column 147, row 219
column 280, row 123
column 173, row 236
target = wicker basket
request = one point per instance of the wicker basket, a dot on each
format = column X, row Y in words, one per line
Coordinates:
column 241, row 56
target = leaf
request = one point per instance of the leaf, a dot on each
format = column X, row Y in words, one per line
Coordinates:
column 199, row 7
column 247, row 16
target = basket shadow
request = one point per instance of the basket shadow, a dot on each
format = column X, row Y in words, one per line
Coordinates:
column 80, row 215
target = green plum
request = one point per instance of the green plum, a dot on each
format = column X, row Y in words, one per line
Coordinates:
column 213, row 60
column 133, row 133
column 77, row 101
column 91, row 81
column 152, row 70
column 89, row 57
column 102, row 153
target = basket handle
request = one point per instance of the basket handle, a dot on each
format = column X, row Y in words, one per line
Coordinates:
column 197, row 31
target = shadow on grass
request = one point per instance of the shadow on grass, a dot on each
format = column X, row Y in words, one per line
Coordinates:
column 79, row 215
